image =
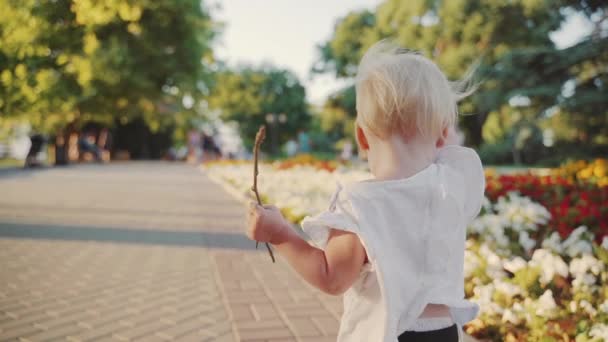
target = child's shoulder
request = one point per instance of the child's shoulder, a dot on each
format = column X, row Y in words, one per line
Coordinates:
column 459, row 156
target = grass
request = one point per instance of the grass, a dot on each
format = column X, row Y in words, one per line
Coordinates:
column 9, row 163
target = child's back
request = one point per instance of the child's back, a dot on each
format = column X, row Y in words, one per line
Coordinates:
column 413, row 230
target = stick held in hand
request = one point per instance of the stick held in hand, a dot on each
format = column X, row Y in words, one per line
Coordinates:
column 259, row 138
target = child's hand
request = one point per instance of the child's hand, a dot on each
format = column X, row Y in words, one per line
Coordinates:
column 265, row 224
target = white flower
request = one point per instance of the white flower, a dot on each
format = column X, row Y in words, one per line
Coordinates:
column 482, row 295
column 584, row 264
column 486, row 204
column 494, row 263
column 506, row 288
column 575, row 244
column 546, row 304
column 573, row 306
column 529, row 305
column 585, row 280
column 588, row 307
column 493, row 228
column 549, row 265
column 508, row 316
column 498, row 235
column 605, row 242
column 521, row 212
column 525, row 241
column 303, row 190
column 471, row 263
column 553, row 243
column 575, row 235
column 600, row 331
column 604, row 306
column 514, row 264
column 579, row 247
column 584, row 270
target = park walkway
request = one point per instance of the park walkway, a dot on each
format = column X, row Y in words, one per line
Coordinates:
column 142, row 251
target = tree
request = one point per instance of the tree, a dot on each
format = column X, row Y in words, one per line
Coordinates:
column 103, row 60
column 337, row 115
column 567, row 88
column 340, row 55
column 456, row 34
column 250, row 96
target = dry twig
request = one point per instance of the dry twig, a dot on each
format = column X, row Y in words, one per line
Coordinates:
column 259, row 138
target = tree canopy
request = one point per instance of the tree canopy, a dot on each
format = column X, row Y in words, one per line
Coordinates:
column 509, row 41
column 251, row 95
column 103, row 59
column 152, row 61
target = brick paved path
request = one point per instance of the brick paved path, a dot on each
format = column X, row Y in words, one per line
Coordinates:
column 142, row 251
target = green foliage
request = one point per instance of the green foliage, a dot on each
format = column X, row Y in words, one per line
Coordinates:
column 321, row 141
column 337, row 116
column 247, row 95
column 510, row 42
column 102, row 59
column 454, row 33
column 341, row 54
column 498, row 153
column 568, row 89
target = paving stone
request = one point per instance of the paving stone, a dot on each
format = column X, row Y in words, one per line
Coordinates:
column 56, row 332
column 149, row 251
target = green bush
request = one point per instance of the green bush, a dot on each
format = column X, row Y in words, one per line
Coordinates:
column 496, row 154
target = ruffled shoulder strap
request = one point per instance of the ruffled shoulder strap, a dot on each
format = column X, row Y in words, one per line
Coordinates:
column 338, row 216
column 467, row 163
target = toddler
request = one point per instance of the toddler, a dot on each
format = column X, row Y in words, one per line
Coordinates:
column 393, row 245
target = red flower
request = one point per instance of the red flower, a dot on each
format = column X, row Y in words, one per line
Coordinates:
column 570, row 204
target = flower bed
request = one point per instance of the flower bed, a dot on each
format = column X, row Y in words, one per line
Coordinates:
column 536, row 256
column 570, row 203
column 595, row 172
column 298, row 191
column 307, row 160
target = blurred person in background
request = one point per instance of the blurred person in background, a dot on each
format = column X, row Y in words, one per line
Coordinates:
column 87, row 147
column 303, row 142
column 104, row 142
column 347, row 151
column 211, row 151
column 36, row 155
column 291, row 148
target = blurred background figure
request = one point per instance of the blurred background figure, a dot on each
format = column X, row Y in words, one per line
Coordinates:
column 104, row 142
column 194, row 146
column 291, row 148
column 347, row 151
column 61, row 155
column 211, row 150
column 36, row 155
column 303, row 142
column 87, row 147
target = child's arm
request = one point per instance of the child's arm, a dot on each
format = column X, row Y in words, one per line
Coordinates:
column 332, row 271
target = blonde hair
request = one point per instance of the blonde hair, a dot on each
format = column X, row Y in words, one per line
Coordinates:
column 403, row 92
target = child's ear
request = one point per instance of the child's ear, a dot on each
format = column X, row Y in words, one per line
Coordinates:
column 443, row 138
column 361, row 138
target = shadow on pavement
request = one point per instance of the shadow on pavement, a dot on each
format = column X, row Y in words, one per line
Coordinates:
column 127, row 236
column 20, row 172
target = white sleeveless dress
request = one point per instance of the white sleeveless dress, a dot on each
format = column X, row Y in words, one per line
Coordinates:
column 413, row 231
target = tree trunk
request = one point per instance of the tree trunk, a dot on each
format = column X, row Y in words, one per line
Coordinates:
column 473, row 126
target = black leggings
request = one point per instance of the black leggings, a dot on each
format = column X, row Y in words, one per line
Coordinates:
column 449, row 334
